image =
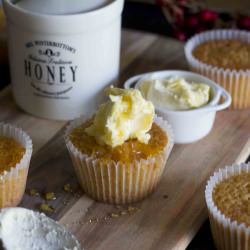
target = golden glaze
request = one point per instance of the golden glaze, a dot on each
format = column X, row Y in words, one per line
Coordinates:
column 11, row 153
column 227, row 54
column 129, row 151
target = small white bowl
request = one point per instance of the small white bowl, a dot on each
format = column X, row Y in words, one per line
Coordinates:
column 188, row 125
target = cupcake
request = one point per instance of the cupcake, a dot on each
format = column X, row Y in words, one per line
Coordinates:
column 228, row 202
column 120, row 153
column 223, row 56
column 15, row 154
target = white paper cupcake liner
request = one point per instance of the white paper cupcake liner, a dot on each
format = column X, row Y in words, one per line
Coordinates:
column 227, row 234
column 119, row 183
column 236, row 82
column 13, row 182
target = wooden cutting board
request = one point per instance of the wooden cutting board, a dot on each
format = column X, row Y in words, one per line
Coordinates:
column 172, row 215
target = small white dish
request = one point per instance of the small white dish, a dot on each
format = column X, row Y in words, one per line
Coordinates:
column 188, row 125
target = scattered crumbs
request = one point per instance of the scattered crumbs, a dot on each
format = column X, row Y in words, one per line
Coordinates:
column 46, row 208
column 114, row 215
column 165, row 196
column 122, row 211
column 50, row 196
column 67, row 188
column 33, row 192
column 131, row 209
column 92, row 220
column 118, row 211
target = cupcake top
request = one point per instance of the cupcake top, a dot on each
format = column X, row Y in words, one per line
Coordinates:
column 232, row 197
column 227, row 54
column 123, row 129
column 11, row 152
column 127, row 115
column 130, row 151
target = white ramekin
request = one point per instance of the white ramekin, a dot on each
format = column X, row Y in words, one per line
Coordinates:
column 227, row 234
column 236, row 82
column 189, row 125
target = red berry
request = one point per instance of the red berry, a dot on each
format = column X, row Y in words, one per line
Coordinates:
column 180, row 35
column 182, row 2
column 208, row 15
column 244, row 22
column 192, row 22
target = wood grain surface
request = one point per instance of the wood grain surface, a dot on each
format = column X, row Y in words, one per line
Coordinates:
column 172, row 215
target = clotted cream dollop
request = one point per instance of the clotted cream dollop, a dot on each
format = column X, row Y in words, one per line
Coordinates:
column 175, row 93
column 127, row 115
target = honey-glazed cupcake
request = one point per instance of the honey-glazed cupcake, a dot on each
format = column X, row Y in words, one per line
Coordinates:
column 15, row 154
column 228, row 202
column 119, row 155
column 223, row 56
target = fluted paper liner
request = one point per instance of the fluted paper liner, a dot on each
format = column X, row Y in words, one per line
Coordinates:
column 236, row 82
column 13, row 182
column 227, row 234
column 119, row 183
